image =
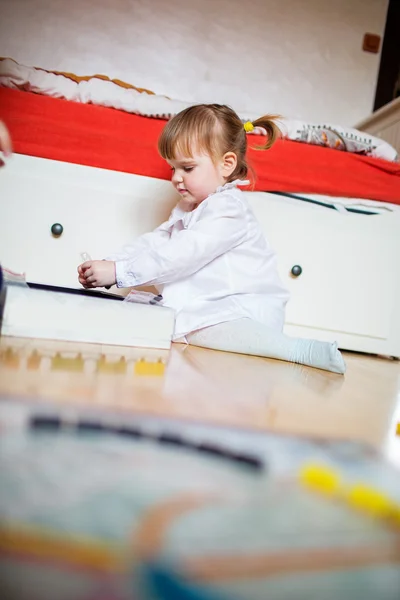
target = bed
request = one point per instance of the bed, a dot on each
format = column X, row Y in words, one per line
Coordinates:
column 87, row 178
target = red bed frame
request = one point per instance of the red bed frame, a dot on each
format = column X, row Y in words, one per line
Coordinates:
column 111, row 139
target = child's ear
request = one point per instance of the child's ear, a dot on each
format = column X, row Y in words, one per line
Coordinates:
column 229, row 162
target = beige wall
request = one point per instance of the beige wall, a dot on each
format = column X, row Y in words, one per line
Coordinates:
column 301, row 58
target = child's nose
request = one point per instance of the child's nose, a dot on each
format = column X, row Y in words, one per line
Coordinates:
column 176, row 177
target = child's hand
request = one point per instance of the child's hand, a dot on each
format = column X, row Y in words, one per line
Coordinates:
column 97, row 273
column 5, row 142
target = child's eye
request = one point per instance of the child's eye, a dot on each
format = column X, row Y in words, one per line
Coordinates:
column 188, row 169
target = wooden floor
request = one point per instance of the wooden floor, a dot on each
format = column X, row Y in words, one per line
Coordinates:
column 199, row 384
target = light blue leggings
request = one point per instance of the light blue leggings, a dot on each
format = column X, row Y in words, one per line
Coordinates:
column 245, row 336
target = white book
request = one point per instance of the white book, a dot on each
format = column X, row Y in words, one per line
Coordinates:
column 77, row 315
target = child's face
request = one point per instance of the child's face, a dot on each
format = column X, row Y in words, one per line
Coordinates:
column 195, row 178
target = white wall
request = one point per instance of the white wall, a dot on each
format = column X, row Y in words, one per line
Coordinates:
column 300, row 58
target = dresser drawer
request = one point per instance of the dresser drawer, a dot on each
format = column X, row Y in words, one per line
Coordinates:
column 346, row 265
column 51, row 212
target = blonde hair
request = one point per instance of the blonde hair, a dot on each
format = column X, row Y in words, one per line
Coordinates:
column 214, row 129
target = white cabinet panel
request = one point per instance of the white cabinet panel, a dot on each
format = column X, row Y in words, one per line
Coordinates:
column 348, row 265
column 99, row 211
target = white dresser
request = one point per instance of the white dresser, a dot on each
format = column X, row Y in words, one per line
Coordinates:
column 341, row 268
column 348, row 288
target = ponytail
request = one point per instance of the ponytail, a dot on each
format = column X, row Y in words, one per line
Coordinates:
column 268, row 122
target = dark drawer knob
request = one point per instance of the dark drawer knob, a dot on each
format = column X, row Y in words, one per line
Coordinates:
column 57, row 229
column 296, row 271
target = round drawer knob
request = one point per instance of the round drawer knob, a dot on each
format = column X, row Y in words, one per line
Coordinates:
column 57, row 229
column 296, row 271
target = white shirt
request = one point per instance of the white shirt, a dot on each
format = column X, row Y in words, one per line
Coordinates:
column 211, row 265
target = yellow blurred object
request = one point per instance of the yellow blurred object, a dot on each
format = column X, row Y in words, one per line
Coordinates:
column 61, row 363
column 33, row 361
column 371, row 501
column 10, row 358
column 398, row 428
column 144, row 367
column 395, row 516
column 358, row 496
column 320, row 478
column 111, row 367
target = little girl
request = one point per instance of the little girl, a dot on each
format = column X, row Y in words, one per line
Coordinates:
column 210, row 260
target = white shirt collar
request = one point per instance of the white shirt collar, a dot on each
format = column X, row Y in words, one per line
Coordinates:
column 231, row 184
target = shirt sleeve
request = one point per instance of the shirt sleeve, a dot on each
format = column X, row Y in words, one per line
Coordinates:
column 221, row 226
column 151, row 239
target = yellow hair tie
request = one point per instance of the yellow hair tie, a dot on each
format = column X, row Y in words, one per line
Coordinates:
column 248, row 126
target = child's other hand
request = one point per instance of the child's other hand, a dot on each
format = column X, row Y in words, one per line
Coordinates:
column 97, row 273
